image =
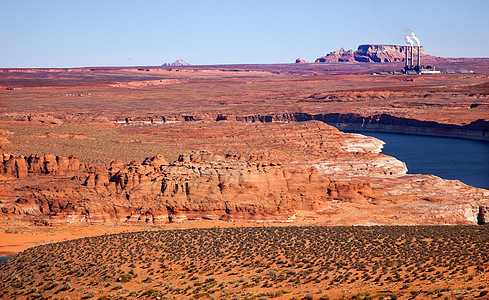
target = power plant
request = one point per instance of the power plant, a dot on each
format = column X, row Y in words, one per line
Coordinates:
column 410, row 67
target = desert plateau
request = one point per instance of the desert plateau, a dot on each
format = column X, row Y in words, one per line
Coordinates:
column 238, row 182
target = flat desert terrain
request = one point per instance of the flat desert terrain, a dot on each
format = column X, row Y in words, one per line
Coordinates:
column 236, row 182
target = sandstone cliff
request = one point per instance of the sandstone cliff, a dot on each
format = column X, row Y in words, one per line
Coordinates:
column 292, row 171
column 199, row 185
column 371, row 53
column 21, row 167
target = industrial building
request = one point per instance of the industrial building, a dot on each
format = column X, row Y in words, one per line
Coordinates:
column 411, row 66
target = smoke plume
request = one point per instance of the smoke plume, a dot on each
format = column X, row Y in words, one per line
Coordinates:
column 415, row 38
column 409, row 40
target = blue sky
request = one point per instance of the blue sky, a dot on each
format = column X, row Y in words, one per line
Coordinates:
column 69, row 33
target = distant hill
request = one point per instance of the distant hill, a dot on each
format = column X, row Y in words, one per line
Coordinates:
column 301, row 61
column 177, row 63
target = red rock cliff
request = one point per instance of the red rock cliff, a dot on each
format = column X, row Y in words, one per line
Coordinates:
column 199, row 185
column 371, row 53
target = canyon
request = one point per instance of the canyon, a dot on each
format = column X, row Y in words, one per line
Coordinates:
column 125, row 148
column 282, row 168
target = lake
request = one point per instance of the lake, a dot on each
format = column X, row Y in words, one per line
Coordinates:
column 5, row 258
column 448, row 158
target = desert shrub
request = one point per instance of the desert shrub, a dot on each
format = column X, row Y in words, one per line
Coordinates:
column 65, row 286
column 51, row 285
column 272, row 274
column 149, row 292
column 118, row 286
column 88, row 295
column 483, row 293
column 124, row 278
column 328, row 260
column 200, row 295
column 273, row 294
column 309, row 296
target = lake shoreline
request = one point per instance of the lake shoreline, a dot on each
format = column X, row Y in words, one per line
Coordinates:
column 411, row 130
column 450, row 158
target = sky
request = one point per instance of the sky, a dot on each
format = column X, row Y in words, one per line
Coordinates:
column 81, row 33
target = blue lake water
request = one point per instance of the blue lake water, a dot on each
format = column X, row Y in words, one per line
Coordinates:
column 5, row 258
column 448, row 158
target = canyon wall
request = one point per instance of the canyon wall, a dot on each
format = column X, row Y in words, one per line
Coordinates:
column 199, row 185
column 476, row 130
column 259, row 172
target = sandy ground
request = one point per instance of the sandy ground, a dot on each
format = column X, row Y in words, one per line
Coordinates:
column 13, row 241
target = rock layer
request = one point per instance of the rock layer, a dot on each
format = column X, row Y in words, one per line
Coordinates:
column 21, row 166
column 371, row 53
column 294, row 171
column 199, row 185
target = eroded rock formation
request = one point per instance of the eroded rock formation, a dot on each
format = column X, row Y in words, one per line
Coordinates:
column 200, row 185
column 306, row 171
column 301, row 61
column 483, row 215
column 370, row 53
column 338, row 56
column 21, row 166
column 177, row 63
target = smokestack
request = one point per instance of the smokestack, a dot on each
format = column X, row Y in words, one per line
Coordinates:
column 418, row 42
column 419, row 57
column 412, row 56
column 410, row 47
column 406, row 50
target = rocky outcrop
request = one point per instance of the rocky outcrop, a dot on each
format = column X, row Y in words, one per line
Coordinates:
column 255, row 172
column 370, row 53
column 203, row 185
column 301, row 61
column 22, row 166
column 338, row 56
column 477, row 130
column 199, row 185
column 4, row 134
column 177, row 63
column 483, row 215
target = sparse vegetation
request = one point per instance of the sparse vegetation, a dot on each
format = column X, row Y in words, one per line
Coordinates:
column 394, row 262
column 100, row 145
